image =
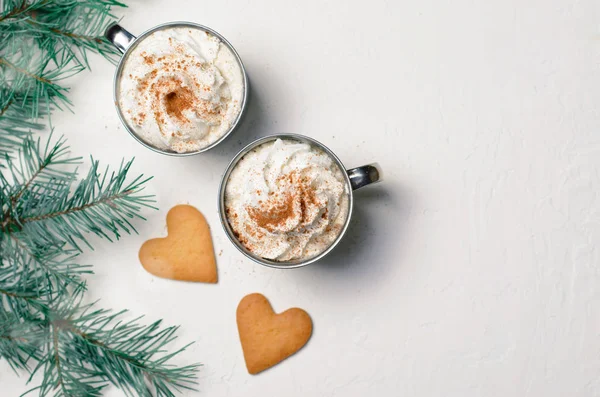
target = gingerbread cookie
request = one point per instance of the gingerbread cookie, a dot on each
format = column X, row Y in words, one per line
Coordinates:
column 186, row 253
column 269, row 338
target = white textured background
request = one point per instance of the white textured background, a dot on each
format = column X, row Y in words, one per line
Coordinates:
column 472, row 271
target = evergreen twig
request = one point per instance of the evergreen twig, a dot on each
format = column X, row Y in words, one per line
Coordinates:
column 45, row 215
column 42, row 43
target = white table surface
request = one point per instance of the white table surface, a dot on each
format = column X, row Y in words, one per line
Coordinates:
column 472, row 271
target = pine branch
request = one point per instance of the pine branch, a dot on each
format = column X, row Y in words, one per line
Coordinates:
column 19, row 340
column 15, row 9
column 20, row 289
column 77, row 26
column 38, row 173
column 26, row 73
column 88, row 348
column 49, row 266
column 131, row 355
column 34, row 73
column 45, row 216
column 73, row 26
column 79, row 350
column 44, row 42
column 40, row 166
column 16, row 121
column 103, row 203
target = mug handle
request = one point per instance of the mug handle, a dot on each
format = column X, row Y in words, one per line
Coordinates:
column 119, row 37
column 364, row 175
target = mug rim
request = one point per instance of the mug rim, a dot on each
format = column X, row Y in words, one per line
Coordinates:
column 227, row 227
column 143, row 36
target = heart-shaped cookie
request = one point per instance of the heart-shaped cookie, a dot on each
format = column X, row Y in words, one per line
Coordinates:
column 267, row 337
column 186, row 253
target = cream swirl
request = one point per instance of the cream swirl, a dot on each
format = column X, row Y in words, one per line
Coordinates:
column 286, row 200
column 181, row 89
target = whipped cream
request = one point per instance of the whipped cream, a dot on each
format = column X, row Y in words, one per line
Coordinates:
column 286, row 200
column 181, row 89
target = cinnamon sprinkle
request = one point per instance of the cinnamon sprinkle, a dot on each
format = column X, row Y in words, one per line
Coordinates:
column 282, row 207
column 173, row 94
column 148, row 59
column 178, row 101
column 275, row 215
